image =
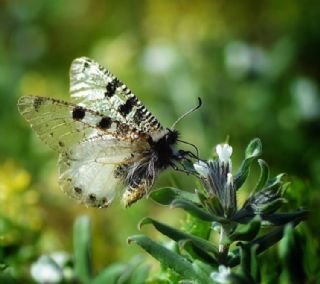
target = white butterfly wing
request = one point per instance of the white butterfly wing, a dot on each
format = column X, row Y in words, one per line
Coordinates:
column 95, row 87
column 87, row 171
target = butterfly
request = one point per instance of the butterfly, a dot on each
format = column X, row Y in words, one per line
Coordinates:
column 106, row 138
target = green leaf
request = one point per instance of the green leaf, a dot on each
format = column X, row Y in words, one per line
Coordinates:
column 264, row 175
column 252, row 153
column 166, row 195
column 246, row 232
column 168, row 258
column 276, row 182
column 196, row 211
column 278, row 219
column 214, row 205
column 192, row 251
column 248, row 261
column 292, row 257
column 178, row 235
column 204, row 270
column 254, row 149
column 270, row 207
column 111, row 274
column 125, row 277
column 254, row 267
column 263, row 243
column 82, row 249
column 266, row 200
column 139, row 275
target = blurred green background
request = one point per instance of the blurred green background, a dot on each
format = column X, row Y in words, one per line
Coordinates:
column 255, row 64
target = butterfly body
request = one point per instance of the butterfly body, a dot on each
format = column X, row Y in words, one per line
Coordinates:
column 106, row 138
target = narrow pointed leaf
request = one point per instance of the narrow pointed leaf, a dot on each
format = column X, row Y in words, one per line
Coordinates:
column 196, row 211
column 167, row 257
column 252, row 153
column 264, row 175
column 125, row 277
column 178, row 235
column 204, row 270
column 263, row 243
column 278, row 219
column 292, row 257
column 249, row 267
column 82, row 249
column 276, row 182
column 246, row 232
column 166, row 195
column 243, row 172
column 200, row 253
column 245, row 261
column 270, row 207
column 254, row 149
column 214, row 206
column 111, row 274
column 254, row 267
column 140, row 274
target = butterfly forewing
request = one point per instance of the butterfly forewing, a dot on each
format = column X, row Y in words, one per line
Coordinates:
column 95, row 87
column 61, row 124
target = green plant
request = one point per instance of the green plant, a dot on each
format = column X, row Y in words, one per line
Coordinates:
column 218, row 234
column 62, row 268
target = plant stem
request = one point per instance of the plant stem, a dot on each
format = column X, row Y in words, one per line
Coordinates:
column 223, row 248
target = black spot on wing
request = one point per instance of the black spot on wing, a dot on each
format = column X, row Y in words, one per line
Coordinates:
column 78, row 190
column 92, row 197
column 105, row 122
column 112, row 87
column 78, row 113
column 138, row 116
column 125, row 108
column 37, row 103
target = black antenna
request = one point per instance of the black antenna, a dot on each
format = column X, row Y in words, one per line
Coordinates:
column 187, row 113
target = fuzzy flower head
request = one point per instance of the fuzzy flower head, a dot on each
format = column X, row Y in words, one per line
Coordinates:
column 217, row 178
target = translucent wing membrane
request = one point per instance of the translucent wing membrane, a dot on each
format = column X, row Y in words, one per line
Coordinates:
column 61, row 124
column 90, row 182
column 96, row 88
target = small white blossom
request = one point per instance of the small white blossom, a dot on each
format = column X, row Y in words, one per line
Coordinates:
column 224, row 152
column 222, row 275
column 45, row 270
column 60, row 257
column 229, row 179
column 202, row 168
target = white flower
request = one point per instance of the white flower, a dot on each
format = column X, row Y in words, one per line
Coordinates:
column 60, row 257
column 224, row 152
column 202, row 168
column 222, row 275
column 45, row 270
